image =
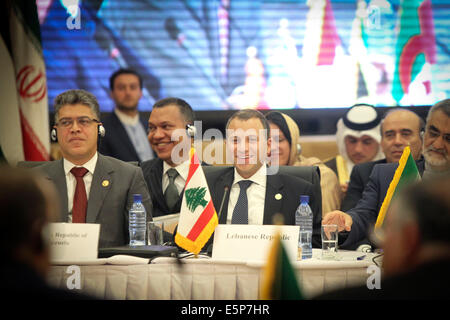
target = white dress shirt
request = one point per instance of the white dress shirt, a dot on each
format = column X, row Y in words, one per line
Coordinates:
column 180, row 180
column 256, row 195
column 72, row 182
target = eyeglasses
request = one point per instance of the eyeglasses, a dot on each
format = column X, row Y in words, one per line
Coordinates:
column 81, row 121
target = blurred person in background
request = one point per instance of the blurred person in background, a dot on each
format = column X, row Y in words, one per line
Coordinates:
column 28, row 202
column 358, row 139
column 399, row 128
column 416, row 245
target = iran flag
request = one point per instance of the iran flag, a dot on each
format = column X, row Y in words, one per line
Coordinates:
column 24, row 122
column 198, row 217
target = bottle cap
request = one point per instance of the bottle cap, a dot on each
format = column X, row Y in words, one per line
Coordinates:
column 137, row 197
column 304, row 198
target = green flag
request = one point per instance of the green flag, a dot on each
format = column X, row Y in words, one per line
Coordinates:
column 280, row 281
column 406, row 173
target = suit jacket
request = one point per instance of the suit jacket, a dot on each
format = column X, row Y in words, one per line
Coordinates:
column 332, row 165
column 288, row 186
column 116, row 142
column 108, row 204
column 365, row 213
column 153, row 170
column 358, row 180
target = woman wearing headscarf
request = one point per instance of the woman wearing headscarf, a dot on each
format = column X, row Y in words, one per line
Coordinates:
column 288, row 153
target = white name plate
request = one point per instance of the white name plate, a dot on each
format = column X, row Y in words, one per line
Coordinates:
column 240, row 242
column 73, row 241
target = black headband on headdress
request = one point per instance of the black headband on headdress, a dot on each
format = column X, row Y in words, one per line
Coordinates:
column 373, row 118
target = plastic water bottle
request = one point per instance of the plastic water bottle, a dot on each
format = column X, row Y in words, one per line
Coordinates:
column 138, row 222
column 304, row 219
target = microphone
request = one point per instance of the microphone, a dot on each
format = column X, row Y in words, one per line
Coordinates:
column 226, row 189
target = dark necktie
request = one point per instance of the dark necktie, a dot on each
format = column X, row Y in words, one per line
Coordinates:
column 171, row 193
column 240, row 212
column 80, row 197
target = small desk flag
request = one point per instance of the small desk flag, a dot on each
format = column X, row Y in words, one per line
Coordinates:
column 198, row 217
column 406, row 173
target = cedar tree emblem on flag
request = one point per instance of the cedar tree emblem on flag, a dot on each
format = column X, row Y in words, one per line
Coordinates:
column 195, row 197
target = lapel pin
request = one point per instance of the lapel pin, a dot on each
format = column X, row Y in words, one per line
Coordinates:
column 105, row 183
column 278, row 196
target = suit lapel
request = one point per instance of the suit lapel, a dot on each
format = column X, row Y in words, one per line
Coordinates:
column 58, row 177
column 122, row 135
column 100, row 186
column 156, row 173
column 274, row 198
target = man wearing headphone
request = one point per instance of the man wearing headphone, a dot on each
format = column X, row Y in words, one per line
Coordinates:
column 170, row 123
column 359, row 220
column 93, row 188
column 399, row 128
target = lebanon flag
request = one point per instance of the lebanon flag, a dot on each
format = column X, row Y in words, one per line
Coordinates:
column 405, row 174
column 416, row 45
column 27, row 105
column 198, row 217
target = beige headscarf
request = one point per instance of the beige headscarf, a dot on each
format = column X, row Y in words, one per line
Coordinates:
column 331, row 192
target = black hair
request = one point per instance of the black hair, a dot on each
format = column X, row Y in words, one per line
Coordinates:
column 121, row 71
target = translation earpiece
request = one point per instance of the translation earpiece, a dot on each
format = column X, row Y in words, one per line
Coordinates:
column 53, row 135
column 101, row 131
column 191, row 130
column 299, row 148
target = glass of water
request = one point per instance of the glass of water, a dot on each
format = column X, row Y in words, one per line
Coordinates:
column 155, row 231
column 330, row 241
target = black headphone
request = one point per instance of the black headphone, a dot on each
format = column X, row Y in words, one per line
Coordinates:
column 100, row 129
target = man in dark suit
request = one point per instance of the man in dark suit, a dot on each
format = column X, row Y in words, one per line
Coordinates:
column 267, row 193
column 436, row 147
column 28, row 202
column 126, row 131
column 399, row 128
column 166, row 175
column 416, row 247
column 93, row 188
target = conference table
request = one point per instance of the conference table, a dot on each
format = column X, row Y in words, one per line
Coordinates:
column 204, row 278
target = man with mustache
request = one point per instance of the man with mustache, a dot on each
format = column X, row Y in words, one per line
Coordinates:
column 399, row 128
column 93, row 188
column 166, row 175
column 436, row 144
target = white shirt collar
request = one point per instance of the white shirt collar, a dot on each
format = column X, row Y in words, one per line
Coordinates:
column 126, row 119
column 90, row 165
column 259, row 177
column 182, row 169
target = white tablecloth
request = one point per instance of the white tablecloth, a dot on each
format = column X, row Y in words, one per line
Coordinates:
column 209, row 279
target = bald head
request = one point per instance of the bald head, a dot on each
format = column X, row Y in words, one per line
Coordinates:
column 399, row 128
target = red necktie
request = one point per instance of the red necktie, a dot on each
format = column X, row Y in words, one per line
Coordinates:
column 80, row 198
